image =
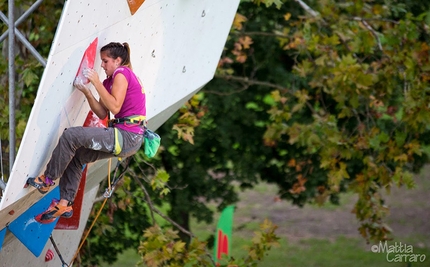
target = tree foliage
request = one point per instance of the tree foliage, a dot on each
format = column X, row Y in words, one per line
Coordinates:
column 38, row 28
column 349, row 108
column 318, row 97
column 165, row 248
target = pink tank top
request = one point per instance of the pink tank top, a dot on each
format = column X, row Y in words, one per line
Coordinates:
column 134, row 102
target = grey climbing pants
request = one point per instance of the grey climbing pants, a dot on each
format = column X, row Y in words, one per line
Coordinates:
column 78, row 146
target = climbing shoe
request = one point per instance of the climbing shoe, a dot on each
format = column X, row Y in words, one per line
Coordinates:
column 42, row 183
column 56, row 210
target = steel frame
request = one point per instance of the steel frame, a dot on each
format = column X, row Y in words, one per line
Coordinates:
column 12, row 33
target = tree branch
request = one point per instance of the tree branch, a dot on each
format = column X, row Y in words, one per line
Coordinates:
column 99, row 199
column 148, row 199
column 381, row 19
column 270, row 34
column 248, row 82
column 154, row 209
column 307, row 8
column 316, row 14
column 374, row 33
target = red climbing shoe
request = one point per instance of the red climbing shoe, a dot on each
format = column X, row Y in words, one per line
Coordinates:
column 42, row 183
column 54, row 211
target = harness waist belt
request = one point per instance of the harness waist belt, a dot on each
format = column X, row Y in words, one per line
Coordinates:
column 139, row 120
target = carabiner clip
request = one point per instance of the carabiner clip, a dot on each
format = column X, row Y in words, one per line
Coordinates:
column 108, row 192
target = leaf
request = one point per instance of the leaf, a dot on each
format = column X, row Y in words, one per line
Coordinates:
column 321, row 61
column 400, row 138
column 292, row 163
column 163, row 176
column 164, row 192
column 28, row 76
column 179, row 247
column 402, row 157
column 383, row 137
column 245, row 41
column 268, row 3
column 253, row 106
column 238, row 21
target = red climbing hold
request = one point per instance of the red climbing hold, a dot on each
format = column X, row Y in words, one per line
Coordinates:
column 87, row 62
column 49, row 255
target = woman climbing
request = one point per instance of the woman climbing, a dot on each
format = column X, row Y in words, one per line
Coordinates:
column 121, row 94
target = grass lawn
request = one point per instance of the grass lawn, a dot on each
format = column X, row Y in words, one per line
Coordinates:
column 310, row 253
column 315, row 236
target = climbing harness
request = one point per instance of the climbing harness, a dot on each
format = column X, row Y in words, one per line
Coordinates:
column 127, row 121
column 64, row 264
column 107, row 194
column 118, row 142
column 131, row 120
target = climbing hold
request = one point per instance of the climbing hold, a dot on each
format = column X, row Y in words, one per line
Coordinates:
column 49, row 255
column 134, row 5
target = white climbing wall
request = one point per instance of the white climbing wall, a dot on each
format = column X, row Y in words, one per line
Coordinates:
column 175, row 48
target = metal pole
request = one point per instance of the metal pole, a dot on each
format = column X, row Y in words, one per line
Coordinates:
column 22, row 18
column 12, row 142
column 30, row 47
column 23, row 40
column 2, row 183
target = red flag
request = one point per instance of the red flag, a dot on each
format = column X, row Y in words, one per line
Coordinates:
column 223, row 234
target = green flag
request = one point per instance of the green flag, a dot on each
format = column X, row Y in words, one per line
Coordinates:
column 223, row 234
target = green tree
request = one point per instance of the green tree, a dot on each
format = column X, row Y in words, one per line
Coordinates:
column 318, row 97
column 349, row 108
column 38, row 28
column 309, row 101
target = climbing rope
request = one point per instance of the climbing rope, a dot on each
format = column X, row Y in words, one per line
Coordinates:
column 88, row 232
column 97, row 216
column 58, row 252
column 107, row 194
column 111, row 185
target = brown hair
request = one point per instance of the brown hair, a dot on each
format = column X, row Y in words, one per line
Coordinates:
column 115, row 50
